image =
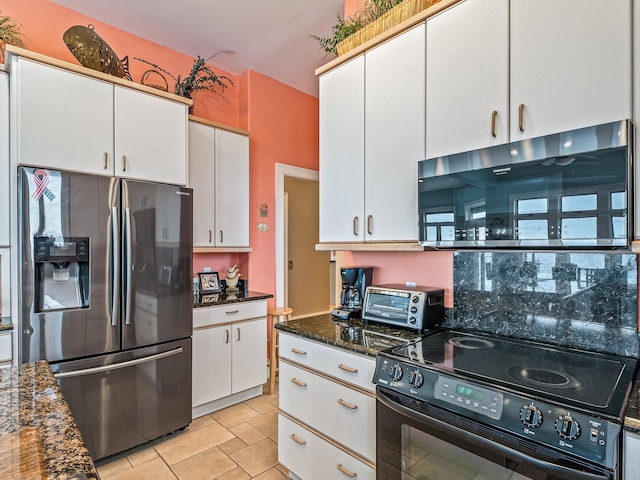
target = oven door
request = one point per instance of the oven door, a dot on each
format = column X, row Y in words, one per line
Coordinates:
column 418, row 441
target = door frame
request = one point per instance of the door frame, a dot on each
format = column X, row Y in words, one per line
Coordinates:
column 282, row 171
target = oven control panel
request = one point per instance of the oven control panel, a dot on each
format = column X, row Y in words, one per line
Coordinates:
column 472, row 397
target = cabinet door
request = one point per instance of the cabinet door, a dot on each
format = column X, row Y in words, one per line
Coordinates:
column 5, row 208
column 570, row 64
column 201, row 179
column 211, row 364
column 150, row 137
column 249, row 355
column 232, row 189
column 468, row 77
column 342, row 153
column 62, row 120
column 394, row 135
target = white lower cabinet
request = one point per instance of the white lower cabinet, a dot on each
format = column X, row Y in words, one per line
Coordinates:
column 327, row 411
column 5, row 349
column 309, row 457
column 631, row 455
column 229, row 355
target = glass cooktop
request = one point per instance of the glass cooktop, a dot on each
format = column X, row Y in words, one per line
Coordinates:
column 590, row 379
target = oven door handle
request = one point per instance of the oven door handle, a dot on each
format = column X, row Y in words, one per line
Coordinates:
column 488, row 444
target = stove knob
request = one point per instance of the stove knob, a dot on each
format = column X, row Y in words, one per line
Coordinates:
column 567, row 427
column 531, row 416
column 395, row 373
column 416, row 379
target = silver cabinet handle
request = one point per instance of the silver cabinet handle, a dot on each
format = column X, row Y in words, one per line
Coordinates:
column 494, row 115
column 355, row 226
column 238, row 330
column 210, row 236
column 298, row 440
column 124, row 163
column 370, row 224
column 221, row 237
column 348, row 405
column 521, row 117
column 348, row 473
column 106, row 160
column 347, row 369
column 231, row 312
column 300, row 383
column 298, row 352
column 226, row 336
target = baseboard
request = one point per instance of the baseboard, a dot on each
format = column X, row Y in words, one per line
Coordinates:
column 225, row 402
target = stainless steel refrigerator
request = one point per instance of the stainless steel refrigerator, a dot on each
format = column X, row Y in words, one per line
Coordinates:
column 106, row 299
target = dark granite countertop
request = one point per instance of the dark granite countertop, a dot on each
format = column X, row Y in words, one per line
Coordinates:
column 5, row 324
column 38, row 436
column 354, row 335
column 212, row 299
column 632, row 415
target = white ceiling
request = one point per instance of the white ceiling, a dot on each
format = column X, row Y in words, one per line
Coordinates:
column 268, row 36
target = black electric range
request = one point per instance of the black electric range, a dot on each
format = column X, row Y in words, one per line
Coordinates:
column 562, row 398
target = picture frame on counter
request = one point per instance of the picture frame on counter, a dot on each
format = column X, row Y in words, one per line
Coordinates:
column 208, row 299
column 209, row 282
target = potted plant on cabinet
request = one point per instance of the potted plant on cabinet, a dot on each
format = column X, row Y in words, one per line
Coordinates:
column 10, row 33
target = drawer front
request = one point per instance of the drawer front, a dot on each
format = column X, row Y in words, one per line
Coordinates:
column 346, row 366
column 310, row 457
column 341, row 413
column 232, row 312
column 5, row 347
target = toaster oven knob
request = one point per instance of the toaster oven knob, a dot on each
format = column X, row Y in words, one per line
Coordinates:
column 395, row 373
column 416, row 379
column 414, row 310
column 567, row 427
column 413, row 320
column 531, row 416
column 415, row 299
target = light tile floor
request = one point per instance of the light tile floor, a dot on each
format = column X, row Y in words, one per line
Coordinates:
column 237, row 443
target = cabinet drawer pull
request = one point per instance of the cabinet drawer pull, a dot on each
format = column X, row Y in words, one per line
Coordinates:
column 347, row 369
column 106, row 160
column 370, row 224
column 521, row 117
column 124, row 163
column 494, row 115
column 300, row 383
column 231, row 312
column 355, row 226
column 350, row 406
column 298, row 352
column 347, row 472
column 298, row 440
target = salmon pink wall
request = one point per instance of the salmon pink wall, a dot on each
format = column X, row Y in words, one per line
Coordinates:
column 45, row 22
column 429, row 269
column 351, row 6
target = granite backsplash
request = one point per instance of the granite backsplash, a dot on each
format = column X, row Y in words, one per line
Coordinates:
column 583, row 300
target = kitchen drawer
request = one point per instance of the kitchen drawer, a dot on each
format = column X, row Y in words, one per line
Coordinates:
column 232, row 312
column 346, row 366
column 5, row 347
column 310, row 457
column 341, row 413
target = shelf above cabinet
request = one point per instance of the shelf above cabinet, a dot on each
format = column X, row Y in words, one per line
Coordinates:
column 222, row 249
column 371, row 247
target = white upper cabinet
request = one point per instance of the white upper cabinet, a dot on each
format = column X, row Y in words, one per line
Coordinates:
column 150, row 137
column 570, row 64
column 61, row 119
column 5, row 174
column 69, row 121
column 394, row 136
column 342, row 153
column 468, row 77
column 219, row 176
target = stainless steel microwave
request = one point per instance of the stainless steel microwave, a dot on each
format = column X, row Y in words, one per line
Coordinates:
column 572, row 189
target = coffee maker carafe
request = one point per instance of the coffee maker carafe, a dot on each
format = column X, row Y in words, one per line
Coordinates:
column 355, row 281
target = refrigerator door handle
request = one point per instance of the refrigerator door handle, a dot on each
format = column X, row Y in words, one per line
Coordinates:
column 114, row 269
column 116, row 366
column 128, row 265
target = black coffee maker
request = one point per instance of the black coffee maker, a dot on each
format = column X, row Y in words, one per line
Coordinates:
column 355, row 281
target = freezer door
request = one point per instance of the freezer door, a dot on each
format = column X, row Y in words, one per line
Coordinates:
column 157, row 258
column 68, row 305
column 122, row 400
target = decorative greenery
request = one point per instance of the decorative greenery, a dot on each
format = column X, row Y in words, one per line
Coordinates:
column 372, row 10
column 201, row 77
column 10, row 31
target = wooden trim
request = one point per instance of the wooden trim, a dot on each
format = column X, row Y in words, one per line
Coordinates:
column 371, row 247
column 222, row 249
column 392, row 32
column 635, row 246
column 12, row 50
column 211, row 123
